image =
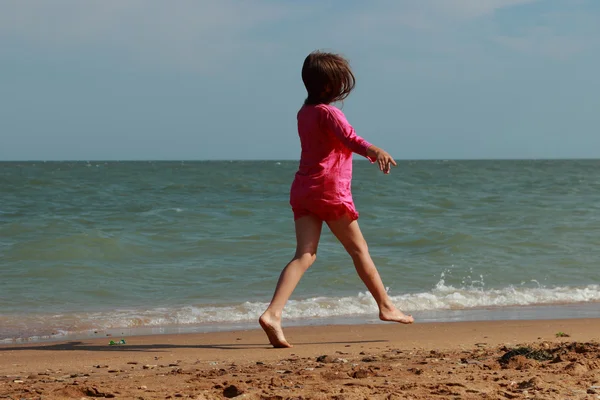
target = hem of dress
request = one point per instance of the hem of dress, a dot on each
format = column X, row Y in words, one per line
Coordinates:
column 345, row 209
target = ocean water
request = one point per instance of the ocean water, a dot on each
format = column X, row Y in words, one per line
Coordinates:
column 93, row 247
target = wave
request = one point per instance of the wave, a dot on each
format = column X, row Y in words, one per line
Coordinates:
column 442, row 297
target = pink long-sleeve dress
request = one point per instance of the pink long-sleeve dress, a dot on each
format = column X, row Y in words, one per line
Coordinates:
column 322, row 184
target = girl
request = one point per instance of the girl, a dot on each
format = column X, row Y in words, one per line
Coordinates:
column 321, row 188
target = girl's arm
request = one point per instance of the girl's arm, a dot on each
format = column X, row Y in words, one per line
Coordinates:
column 337, row 123
column 342, row 129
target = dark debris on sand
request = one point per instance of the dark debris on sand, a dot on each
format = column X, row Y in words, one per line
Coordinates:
column 544, row 370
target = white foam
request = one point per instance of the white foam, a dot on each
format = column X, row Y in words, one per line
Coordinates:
column 442, row 297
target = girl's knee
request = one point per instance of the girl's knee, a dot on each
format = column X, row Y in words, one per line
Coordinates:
column 357, row 250
column 307, row 259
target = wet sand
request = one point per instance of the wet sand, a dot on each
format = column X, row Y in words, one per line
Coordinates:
column 539, row 359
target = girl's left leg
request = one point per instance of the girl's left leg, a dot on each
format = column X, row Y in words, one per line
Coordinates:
column 308, row 233
column 350, row 235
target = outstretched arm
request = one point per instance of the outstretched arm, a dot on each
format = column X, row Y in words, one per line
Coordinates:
column 339, row 125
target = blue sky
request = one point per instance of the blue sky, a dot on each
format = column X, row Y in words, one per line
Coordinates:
column 147, row 79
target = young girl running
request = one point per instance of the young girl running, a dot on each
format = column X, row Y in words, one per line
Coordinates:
column 321, row 191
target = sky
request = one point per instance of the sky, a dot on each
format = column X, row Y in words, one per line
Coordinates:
column 220, row 79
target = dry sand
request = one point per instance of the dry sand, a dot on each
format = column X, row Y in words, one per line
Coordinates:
column 466, row 360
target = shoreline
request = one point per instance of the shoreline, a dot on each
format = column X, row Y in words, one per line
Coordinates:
column 514, row 313
column 374, row 361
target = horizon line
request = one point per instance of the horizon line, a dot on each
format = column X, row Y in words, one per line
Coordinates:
column 294, row 160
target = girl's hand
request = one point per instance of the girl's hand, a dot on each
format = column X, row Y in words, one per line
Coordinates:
column 383, row 158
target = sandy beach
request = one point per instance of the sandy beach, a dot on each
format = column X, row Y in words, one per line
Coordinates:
column 541, row 359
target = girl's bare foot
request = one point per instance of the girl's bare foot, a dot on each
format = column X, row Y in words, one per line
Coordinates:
column 392, row 314
column 272, row 327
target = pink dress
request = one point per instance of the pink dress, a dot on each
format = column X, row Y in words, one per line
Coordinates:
column 322, row 185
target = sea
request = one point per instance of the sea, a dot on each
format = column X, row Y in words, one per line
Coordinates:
column 90, row 249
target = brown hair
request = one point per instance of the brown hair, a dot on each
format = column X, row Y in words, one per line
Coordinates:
column 327, row 78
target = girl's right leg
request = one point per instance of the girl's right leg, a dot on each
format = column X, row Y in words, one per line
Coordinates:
column 349, row 234
column 308, row 233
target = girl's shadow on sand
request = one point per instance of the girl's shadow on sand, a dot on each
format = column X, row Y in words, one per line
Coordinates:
column 78, row 345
